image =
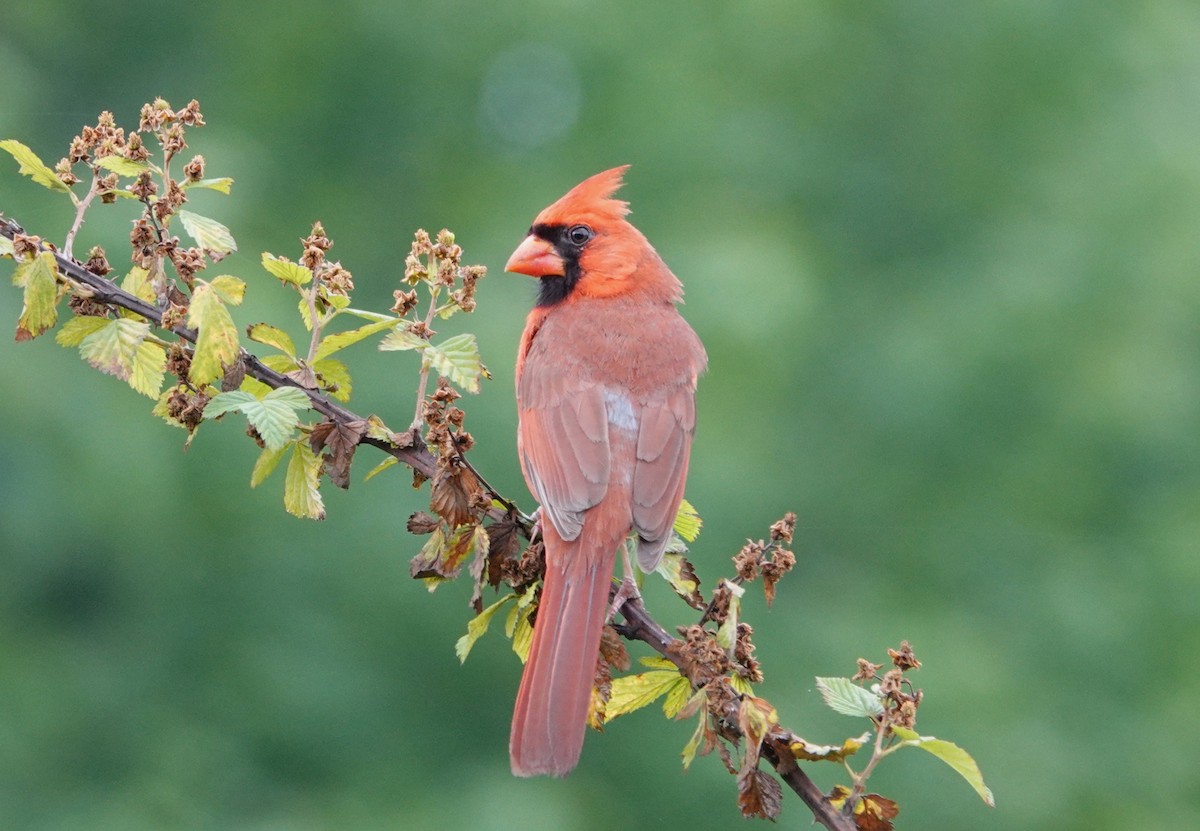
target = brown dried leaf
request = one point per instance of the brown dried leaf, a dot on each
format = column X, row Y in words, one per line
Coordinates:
column 421, row 523
column 875, row 813
column 452, row 495
column 759, row 794
column 504, row 544
column 341, row 440
column 612, row 649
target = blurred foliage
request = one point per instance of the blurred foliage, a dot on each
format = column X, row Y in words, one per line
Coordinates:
column 943, row 259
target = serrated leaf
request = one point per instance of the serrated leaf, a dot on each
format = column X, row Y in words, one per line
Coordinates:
column 335, row 378
column 32, row 166
column 676, row 697
column 687, row 521
column 149, row 366
column 37, row 277
column 266, row 463
column 267, row 334
column 478, row 625
column 232, row 289
column 844, row 696
column 274, row 416
column 113, row 348
column 137, row 282
column 209, row 234
column 458, row 359
column 689, row 750
column 301, row 496
column 740, row 685
column 286, row 270
column 954, row 756
column 217, row 341
column 679, row 573
column 381, row 467
column 401, row 339
column 632, row 692
column 76, row 329
column 222, row 184
column 333, row 343
column 121, row 165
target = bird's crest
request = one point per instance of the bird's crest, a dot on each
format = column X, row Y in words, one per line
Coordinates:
column 590, row 199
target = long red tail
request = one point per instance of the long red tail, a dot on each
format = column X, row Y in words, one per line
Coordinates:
column 550, row 718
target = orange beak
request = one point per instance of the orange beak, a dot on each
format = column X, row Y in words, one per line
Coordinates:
column 535, row 257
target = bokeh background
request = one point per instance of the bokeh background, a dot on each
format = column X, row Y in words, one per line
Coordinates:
column 944, row 258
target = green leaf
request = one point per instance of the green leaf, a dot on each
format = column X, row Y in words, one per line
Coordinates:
column 740, row 685
column 727, row 631
column 217, row 341
column 333, row 343
column 77, row 328
column 845, row 697
column 679, row 573
column 478, row 625
column 121, row 165
column 693, row 746
column 954, row 756
column 401, row 339
column 32, row 166
column 37, row 276
column 286, row 270
column 267, row 334
column 222, row 184
column 687, row 521
column 519, row 628
column 676, row 697
column 335, row 378
column 209, row 234
column 632, row 692
column 458, row 359
column 274, row 416
column 267, row 461
column 372, row 316
column 112, row 347
column 301, row 496
column 6, row 247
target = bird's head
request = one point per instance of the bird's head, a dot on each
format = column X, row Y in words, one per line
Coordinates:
column 582, row 245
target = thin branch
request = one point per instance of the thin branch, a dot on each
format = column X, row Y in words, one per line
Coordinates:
column 80, row 209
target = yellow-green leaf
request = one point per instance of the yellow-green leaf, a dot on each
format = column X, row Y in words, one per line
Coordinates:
column 301, row 496
column 333, row 343
column 690, row 749
column 807, row 751
column 677, row 696
column 740, row 685
column 518, row 627
column 401, row 339
column 954, row 756
column 381, row 467
column 32, row 166
column 137, row 282
column 217, row 341
column 266, row 463
column 727, row 631
column 222, row 184
column 6, row 247
column 76, row 329
column 209, row 234
column 632, row 692
column 113, row 347
column 37, row 276
column 121, row 165
column 335, row 378
column 478, row 625
column 457, row 358
column 286, row 270
column 232, row 289
column 267, row 334
column 687, row 521
column 149, row 366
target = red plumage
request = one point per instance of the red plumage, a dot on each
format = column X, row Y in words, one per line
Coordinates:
column 606, row 380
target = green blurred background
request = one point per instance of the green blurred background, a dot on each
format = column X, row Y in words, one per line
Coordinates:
column 944, row 260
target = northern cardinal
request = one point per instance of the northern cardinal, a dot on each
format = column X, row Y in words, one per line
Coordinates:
column 606, row 382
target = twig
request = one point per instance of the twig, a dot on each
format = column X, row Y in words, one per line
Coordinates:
column 80, row 209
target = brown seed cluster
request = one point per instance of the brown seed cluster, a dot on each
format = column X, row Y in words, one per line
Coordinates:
column 900, row 699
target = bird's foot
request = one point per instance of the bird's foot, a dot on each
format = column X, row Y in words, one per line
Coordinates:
column 627, row 590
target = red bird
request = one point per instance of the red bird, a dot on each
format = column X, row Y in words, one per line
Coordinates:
column 606, row 384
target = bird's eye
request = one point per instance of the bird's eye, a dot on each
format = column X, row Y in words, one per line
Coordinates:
column 579, row 234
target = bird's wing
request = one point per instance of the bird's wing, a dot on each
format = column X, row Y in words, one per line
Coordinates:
column 563, row 442
column 664, row 444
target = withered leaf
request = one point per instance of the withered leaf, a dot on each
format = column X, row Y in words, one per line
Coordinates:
column 759, row 794
column 504, row 543
column 452, row 494
column 421, row 523
column 875, row 813
column 612, row 649
column 341, row 440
